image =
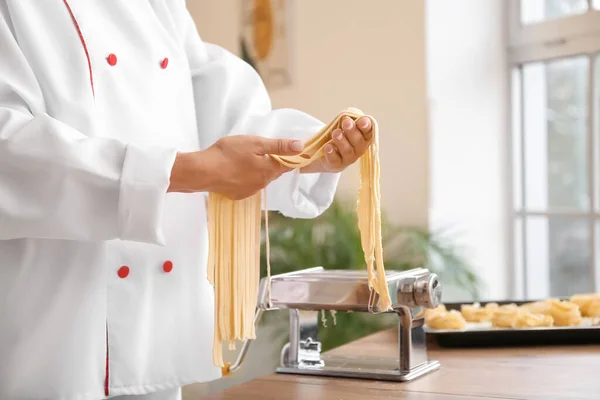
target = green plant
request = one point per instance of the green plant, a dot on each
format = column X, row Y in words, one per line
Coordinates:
column 333, row 242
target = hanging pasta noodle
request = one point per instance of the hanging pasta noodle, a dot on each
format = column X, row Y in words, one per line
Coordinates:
column 234, row 231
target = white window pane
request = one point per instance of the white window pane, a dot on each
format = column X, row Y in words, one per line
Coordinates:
column 555, row 135
column 558, row 257
column 533, row 11
column 517, row 119
column 519, row 255
column 597, row 129
column 597, row 259
column 597, row 4
column 537, row 260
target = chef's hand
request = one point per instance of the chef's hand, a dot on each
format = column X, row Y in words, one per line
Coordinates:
column 235, row 166
column 346, row 146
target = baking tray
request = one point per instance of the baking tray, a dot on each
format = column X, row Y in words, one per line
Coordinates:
column 484, row 335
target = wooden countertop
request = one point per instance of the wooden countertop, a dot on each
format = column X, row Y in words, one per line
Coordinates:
column 540, row 373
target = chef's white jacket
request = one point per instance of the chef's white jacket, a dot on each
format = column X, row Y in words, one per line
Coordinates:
column 103, row 287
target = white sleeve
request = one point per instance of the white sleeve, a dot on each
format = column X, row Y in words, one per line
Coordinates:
column 59, row 183
column 232, row 99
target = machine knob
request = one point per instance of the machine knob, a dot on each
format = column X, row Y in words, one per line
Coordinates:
column 428, row 291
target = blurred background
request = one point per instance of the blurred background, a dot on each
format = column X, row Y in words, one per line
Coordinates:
column 489, row 118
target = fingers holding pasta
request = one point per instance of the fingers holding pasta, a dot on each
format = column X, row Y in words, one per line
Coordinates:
column 237, row 166
column 348, row 143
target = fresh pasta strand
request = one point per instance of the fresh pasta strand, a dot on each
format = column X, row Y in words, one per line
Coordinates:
column 234, row 242
column 369, row 198
column 233, row 268
column 323, row 318
column 267, row 250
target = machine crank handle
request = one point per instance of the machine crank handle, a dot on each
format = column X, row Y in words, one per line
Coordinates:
column 230, row 368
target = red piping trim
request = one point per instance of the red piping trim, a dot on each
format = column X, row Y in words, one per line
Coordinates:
column 87, row 54
column 106, row 374
column 89, row 61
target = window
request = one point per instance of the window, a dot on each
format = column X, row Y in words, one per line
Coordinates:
column 533, row 11
column 554, row 55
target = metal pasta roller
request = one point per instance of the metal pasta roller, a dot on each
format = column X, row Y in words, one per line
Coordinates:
column 309, row 291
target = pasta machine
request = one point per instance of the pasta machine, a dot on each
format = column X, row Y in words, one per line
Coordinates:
column 306, row 292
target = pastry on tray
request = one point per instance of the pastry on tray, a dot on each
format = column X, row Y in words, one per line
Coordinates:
column 528, row 319
column 476, row 313
column 589, row 304
column 579, row 310
column 447, row 320
column 430, row 313
column 565, row 313
column 505, row 316
column 539, row 307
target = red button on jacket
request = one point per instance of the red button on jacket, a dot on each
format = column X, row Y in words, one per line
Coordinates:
column 123, row 272
column 112, row 59
column 164, row 63
column 168, row 266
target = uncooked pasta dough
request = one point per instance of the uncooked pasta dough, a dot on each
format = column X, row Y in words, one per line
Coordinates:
column 505, row 316
column 589, row 304
column 468, row 311
column 430, row 313
column 369, row 198
column 233, row 269
column 234, row 232
column 476, row 313
column 565, row 313
column 447, row 320
column 323, row 319
column 527, row 319
column 580, row 310
column 539, row 307
column 591, row 308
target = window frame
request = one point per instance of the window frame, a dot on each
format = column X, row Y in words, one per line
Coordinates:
column 545, row 41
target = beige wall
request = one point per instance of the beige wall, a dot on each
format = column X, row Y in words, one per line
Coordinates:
column 468, row 89
column 346, row 54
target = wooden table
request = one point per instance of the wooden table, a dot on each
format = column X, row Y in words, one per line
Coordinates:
column 542, row 373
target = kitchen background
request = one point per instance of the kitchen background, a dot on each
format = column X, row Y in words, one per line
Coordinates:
column 488, row 111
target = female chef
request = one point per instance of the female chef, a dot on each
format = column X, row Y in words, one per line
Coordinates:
column 115, row 120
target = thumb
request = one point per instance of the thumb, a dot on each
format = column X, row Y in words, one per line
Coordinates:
column 280, row 147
